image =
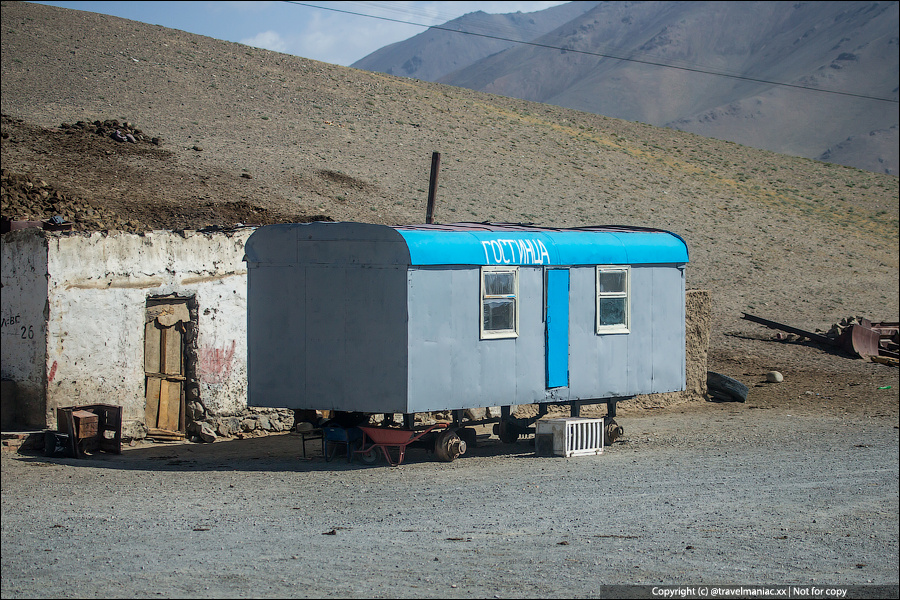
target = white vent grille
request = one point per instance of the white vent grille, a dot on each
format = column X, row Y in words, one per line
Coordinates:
column 570, row 436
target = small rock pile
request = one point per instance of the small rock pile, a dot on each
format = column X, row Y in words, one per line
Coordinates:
column 112, row 128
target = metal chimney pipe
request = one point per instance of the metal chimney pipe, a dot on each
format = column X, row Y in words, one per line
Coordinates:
column 432, row 186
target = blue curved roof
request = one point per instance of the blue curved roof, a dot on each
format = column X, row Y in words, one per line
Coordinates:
column 507, row 244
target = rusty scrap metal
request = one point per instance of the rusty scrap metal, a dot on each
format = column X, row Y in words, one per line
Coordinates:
column 861, row 338
column 773, row 325
column 870, row 340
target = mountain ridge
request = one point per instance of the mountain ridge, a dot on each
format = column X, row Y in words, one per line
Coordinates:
column 849, row 46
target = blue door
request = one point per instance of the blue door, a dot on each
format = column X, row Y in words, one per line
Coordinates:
column 557, row 328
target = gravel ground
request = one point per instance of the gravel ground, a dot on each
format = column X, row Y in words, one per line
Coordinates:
column 701, row 494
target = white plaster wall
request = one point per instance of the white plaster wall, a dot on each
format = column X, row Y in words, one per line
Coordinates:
column 98, row 288
column 23, row 275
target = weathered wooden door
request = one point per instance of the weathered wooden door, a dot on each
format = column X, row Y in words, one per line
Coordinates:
column 164, row 364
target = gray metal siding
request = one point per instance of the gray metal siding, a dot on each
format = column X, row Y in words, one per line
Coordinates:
column 276, row 336
column 442, row 369
column 335, row 340
column 327, row 317
column 443, row 306
column 648, row 359
column 356, row 339
column 449, row 365
column 339, row 320
column 531, row 369
column 668, row 327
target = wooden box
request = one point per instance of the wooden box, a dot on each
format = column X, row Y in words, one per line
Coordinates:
column 86, row 423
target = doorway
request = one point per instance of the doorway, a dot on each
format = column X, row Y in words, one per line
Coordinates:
column 165, row 325
column 557, row 319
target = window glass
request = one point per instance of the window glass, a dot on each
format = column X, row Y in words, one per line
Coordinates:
column 612, row 299
column 612, row 281
column 612, row 311
column 499, row 295
column 502, row 283
column 499, row 314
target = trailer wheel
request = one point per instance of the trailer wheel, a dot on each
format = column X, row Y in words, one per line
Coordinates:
column 468, row 435
column 507, row 432
column 613, row 432
column 725, row 389
column 448, row 446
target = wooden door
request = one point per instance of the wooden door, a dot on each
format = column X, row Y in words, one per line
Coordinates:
column 164, row 364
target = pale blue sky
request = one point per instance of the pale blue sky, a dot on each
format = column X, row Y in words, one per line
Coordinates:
column 317, row 33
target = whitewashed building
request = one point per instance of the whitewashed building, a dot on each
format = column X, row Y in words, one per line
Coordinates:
column 154, row 323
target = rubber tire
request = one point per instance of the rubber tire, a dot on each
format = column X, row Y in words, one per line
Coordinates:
column 468, row 435
column 507, row 433
column 443, row 443
column 613, row 431
column 725, row 388
column 371, row 456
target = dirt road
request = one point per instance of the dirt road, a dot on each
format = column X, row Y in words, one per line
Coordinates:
column 700, row 494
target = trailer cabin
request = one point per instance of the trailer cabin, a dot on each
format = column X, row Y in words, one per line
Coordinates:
column 410, row 319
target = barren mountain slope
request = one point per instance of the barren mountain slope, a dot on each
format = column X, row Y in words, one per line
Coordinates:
column 663, row 62
column 256, row 136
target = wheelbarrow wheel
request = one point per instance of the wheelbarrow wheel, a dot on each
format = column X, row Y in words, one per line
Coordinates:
column 370, row 456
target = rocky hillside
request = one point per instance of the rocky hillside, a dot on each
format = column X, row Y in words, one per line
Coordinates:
column 607, row 59
column 225, row 133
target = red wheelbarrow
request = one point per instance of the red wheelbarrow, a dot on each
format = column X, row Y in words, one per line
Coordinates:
column 447, row 445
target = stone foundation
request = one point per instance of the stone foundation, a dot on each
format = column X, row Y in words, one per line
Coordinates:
column 253, row 421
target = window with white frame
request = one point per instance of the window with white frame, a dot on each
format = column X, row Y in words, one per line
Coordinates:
column 499, row 302
column 613, row 301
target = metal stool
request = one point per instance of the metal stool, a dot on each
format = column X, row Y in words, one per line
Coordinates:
column 310, row 434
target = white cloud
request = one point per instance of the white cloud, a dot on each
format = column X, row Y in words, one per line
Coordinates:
column 267, row 40
column 341, row 38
